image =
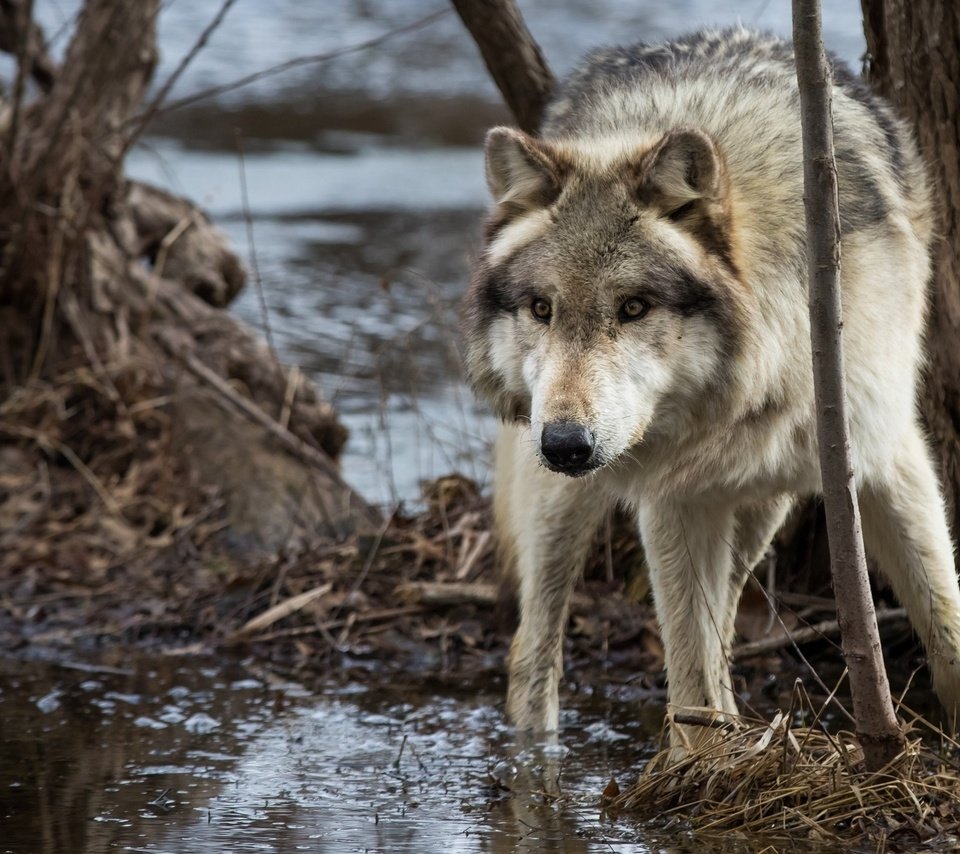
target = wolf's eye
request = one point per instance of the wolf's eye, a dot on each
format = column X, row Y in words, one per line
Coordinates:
column 632, row 309
column 541, row 309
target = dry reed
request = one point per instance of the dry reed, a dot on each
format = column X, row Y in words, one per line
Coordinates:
column 783, row 779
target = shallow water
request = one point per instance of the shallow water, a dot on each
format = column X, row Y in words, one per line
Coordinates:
column 188, row 754
column 361, row 285
column 163, row 755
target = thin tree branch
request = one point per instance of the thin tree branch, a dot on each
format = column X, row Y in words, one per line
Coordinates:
column 818, row 631
column 513, row 57
column 144, row 116
column 877, row 727
column 298, row 62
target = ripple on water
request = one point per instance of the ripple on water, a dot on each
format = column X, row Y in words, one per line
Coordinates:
column 391, row 766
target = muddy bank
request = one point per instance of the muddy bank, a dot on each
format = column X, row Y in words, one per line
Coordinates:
column 420, row 595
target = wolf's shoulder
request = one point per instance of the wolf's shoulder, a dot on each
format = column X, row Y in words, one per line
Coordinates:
column 706, row 70
column 622, row 85
column 739, row 51
column 742, row 49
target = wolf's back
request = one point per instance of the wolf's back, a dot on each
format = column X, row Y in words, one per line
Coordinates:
column 740, row 87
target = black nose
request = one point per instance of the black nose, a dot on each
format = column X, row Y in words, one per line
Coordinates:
column 566, row 445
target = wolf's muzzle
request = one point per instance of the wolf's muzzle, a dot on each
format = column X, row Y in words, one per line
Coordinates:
column 567, row 447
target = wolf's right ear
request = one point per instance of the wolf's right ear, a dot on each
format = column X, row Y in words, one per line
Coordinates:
column 523, row 173
column 683, row 167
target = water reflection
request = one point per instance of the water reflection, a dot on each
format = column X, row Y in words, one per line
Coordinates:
column 169, row 756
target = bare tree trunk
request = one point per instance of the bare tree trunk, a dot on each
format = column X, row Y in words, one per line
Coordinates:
column 877, row 727
column 514, row 59
column 914, row 48
column 105, row 75
column 113, row 355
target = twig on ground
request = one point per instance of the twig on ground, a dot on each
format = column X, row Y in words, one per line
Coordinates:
column 818, row 631
column 281, row 610
column 449, row 594
column 465, row 569
column 328, row 625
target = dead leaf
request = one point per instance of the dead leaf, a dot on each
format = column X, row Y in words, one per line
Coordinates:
column 611, row 790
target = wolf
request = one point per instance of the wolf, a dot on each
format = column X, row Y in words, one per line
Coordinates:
column 638, row 320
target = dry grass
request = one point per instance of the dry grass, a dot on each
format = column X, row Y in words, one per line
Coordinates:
column 783, row 780
column 87, row 480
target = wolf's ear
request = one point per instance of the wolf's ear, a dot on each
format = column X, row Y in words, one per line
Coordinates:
column 683, row 167
column 685, row 179
column 523, row 173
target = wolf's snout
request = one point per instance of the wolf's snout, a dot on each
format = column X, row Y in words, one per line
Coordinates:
column 567, row 446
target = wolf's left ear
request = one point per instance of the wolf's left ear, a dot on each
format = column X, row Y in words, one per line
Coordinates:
column 683, row 167
column 523, row 173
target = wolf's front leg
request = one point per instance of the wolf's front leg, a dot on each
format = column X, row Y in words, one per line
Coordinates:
column 688, row 549
column 549, row 522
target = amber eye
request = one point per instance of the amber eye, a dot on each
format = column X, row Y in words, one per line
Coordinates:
column 541, row 309
column 632, row 309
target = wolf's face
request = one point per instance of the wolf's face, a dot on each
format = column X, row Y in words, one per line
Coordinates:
column 604, row 304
